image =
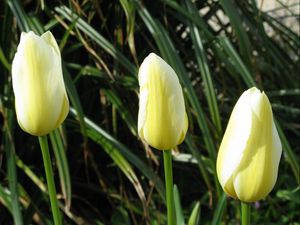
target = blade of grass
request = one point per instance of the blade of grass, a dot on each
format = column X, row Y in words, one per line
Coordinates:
column 19, row 13
column 12, row 171
column 237, row 61
column 4, row 61
column 195, row 215
column 73, row 95
column 290, row 156
column 205, row 73
column 277, row 25
column 63, row 167
column 275, row 53
column 5, row 198
column 193, row 18
column 129, row 9
column 122, row 109
column 236, row 22
column 218, row 214
column 178, row 208
column 203, row 170
column 9, row 147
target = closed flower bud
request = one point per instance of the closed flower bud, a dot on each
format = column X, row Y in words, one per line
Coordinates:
column 40, row 96
column 248, row 158
column 162, row 119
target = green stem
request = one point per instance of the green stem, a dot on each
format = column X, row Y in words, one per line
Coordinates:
column 169, row 186
column 50, row 179
column 246, row 209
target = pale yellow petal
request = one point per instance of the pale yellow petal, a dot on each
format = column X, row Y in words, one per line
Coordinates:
column 235, row 139
column 257, row 172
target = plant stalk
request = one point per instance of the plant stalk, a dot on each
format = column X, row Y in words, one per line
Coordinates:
column 169, row 186
column 50, row 179
column 246, row 210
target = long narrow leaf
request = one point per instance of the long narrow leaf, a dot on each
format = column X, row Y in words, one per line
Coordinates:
column 218, row 214
column 5, row 198
column 237, row 23
column 178, row 208
column 195, row 215
column 205, row 73
column 63, row 167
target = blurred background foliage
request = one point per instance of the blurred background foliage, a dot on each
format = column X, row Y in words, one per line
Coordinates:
column 104, row 173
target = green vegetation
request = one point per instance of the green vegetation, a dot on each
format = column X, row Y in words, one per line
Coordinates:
column 103, row 172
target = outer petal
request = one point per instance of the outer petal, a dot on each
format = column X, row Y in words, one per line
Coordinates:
column 162, row 118
column 234, row 142
column 40, row 96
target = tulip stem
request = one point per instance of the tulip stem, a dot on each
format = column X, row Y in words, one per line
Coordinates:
column 246, row 209
column 169, row 186
column 50, row 179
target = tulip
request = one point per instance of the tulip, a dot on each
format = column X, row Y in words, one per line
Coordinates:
column 40, row 96
column 248, row 158
column 162, row 119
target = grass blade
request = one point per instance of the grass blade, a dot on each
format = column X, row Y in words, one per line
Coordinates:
column 178, row 208
column 236, row 22
column 205, row 73
column 195, row 215
column 237, row 61
column 5, row 198
column 12, row 171
column 63, row 167
column 19, row 13
column 220, row 210
column 122, row 109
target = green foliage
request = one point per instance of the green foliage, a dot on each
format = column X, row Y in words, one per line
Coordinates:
column 104, row 173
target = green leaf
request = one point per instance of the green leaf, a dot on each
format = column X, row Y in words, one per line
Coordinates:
column 178, row 208
column 237, row 61
column 63, row 167
column 5, row 198
column 122, row 109
column 205, row 72
column 218, row 214
column 236, row 22
column 195, row 215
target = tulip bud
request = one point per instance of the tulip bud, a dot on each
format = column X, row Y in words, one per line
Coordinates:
column 248, row 158
column 162, row 119
column 40, row 96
